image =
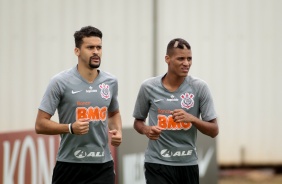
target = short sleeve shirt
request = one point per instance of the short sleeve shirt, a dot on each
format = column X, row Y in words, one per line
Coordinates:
column 75, row 98
column 176, row 144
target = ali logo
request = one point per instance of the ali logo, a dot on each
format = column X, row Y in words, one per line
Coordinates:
column 80, row 154
column 187, row 100
column 105, row 91
column 168, row 153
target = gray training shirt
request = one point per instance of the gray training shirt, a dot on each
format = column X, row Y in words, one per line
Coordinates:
column 75, row 98
column 176, row 144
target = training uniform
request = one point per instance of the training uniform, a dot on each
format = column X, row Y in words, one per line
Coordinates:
column 176, row 144
column 75, row 98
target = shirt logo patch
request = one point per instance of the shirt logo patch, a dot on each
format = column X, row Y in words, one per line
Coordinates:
column 80, row 154
column 179, row 153
column 172, row 99
column 83, row 154
column 74, row 92
column 158, row 100
column 105, row 91
column 187, row 100
column 91, row 90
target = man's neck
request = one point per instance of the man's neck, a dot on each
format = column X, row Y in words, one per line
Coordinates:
column 88, row 74
column 172, row 82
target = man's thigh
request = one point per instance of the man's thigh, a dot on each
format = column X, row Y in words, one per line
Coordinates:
column 78, row 173
column 158, row 173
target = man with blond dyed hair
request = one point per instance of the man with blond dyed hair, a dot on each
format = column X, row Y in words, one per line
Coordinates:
column 174, row 102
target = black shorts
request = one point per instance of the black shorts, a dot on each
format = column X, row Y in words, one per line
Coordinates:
column 165, row 174
column 82, row 173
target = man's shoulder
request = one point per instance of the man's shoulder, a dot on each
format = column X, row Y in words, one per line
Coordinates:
column 197, row 83
column 152, row 80
column 195, row 80
column 64, row 75
column 107, row 75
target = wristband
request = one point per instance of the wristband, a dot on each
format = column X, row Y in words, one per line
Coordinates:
column 70, row 129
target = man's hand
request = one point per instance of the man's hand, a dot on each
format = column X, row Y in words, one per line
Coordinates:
column 116, row 138
column 153, row 132
column 179, row 115
column 81, row 126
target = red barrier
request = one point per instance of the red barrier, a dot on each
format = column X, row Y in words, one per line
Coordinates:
column 27, row 157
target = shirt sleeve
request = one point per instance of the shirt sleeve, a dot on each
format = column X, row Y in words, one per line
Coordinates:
column 51, row 97
column 114, row 105
column 207, row 108
column 142, row 104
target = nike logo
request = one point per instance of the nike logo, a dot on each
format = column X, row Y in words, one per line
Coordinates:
column 74, row 92
column 157, row 100
column 204, row 161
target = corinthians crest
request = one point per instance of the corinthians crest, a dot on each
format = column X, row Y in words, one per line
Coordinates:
column 187, row 100
column 105, row 91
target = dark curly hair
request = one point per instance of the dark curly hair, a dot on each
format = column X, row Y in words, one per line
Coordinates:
column 177, row 43
column 86, row 31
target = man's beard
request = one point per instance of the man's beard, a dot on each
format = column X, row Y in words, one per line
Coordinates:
column 93, row 66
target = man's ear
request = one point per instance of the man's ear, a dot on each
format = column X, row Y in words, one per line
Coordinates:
column 76, row 51
column 167, row 59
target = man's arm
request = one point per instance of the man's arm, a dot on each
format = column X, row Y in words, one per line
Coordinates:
column 152, row 132
column 115, row 126
column 44, row 125
column 209, row 128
